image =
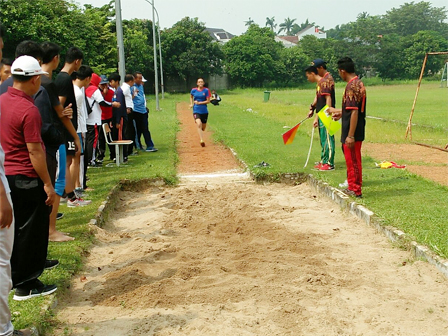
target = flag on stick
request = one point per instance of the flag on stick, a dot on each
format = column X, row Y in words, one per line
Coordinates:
column 288, row 137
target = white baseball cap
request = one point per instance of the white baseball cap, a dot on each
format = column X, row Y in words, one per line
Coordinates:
column 143, row 79
column 27, row 66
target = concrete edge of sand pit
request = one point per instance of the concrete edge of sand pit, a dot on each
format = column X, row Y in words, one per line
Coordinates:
column 393, row 234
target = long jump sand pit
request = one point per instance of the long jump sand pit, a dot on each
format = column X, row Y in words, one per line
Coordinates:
column 248, row 259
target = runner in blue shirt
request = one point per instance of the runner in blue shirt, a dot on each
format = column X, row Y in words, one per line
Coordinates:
column 200, row 97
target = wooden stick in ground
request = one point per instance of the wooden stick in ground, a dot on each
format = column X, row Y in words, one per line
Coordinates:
column 408, row 129
column 430, row 146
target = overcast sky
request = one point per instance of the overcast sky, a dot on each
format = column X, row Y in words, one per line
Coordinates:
column 231, row 14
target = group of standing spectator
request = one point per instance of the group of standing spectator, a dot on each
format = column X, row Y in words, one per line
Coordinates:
column 50, row 132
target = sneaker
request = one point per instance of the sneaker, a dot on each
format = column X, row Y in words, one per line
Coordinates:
column 49, row 264
column 202, row 144
column 151, row 149
column 63, row 200
column 344, row 185
column 133, row 154
column 318, row 166
column 22, row 332
column 352, row 193
column 60, row 215
column 125, row 159
column 78, row 202
column 39, row 289
column 326, row 167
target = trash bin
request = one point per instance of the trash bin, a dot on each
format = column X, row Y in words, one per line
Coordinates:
column 266, row 95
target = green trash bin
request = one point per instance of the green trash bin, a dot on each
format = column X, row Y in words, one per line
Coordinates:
column 266, row 95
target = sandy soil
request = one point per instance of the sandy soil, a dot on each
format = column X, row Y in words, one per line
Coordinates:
column 214, row 258
column 246, row 259
column 429, row 163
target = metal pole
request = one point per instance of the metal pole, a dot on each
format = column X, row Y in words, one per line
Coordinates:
column 160, row 57
column 120, row 43
column 156, row 75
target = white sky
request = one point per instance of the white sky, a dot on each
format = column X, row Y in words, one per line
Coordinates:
column 231, row 14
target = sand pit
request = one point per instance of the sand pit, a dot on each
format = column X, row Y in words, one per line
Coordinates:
column 247, row 259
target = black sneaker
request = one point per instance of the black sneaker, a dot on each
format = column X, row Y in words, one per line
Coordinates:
column 49, row 264
column 22, row 332
column 59, row 215
column 40, row 289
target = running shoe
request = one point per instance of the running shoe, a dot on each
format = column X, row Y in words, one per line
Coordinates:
column 39, row 289
column 326, row 167
column 202, row 144
column 318, row 165
column 51, row 263
column 78, row 202
column 344, row 185
column 59, row 215
column 153, row 149
column 352, row 193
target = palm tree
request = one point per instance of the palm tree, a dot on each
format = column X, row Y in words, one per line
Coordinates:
column 287, row 26
column 249, row 22
column 270, row 23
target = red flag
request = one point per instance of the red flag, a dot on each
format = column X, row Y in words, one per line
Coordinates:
column 288, row 137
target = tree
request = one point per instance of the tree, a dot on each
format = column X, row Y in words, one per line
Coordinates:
column 249, row 22
column 254, row 57
column 287, row 26
column 270, row 22
column 411, row 18
column 294, row 61
column 189, row 51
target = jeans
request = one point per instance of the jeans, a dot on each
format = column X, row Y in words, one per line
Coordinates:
column 141, row 123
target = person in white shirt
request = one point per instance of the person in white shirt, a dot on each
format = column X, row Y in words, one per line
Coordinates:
column 82, row 80
column 128, row 129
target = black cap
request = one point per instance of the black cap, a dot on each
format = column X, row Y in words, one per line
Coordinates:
column 318, row 62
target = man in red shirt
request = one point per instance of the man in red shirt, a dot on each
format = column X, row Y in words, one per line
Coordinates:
column 106, row 115
column 353, row 115
column 32, row 192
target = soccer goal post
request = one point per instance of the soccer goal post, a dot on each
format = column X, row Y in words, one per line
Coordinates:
column 409, row 128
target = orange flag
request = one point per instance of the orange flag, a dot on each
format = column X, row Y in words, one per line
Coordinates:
column 288, row 137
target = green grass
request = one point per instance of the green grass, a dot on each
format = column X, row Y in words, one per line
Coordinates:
column 406, row 201
column 161, row 164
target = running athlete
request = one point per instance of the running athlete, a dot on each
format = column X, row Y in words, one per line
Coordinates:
column 199, row 98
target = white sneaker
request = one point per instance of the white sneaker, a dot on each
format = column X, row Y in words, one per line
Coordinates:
column 78, row 202
column 343, row 185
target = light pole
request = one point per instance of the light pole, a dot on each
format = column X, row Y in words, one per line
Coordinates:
column 120, row 43
column 160, row 48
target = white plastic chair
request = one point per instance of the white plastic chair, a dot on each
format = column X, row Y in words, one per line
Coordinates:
column 117, row 143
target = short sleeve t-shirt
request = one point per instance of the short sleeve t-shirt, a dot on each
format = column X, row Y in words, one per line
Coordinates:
column 82, row 109
column 95, row 116
column 325, row 87
column 52, row 91
column 354, row 99
column 139, row 99
column 64, row 86
column 21, row 124
column 200, row 96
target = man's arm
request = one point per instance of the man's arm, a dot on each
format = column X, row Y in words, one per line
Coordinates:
column 39, row 162
column 350, row 140
column 68, row 124
column 5, row 209
column 191, row 101
column 312, row 107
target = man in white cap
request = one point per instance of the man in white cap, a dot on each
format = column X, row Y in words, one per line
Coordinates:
column 32, row 192
column 6, row 242
column 141, row 113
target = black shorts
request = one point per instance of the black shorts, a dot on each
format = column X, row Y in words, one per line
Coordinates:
column 52, row 165
column 202, row 116
column 70, row 147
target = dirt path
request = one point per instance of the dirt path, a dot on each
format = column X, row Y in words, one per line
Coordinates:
column 246, row 259
column 427, row 162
